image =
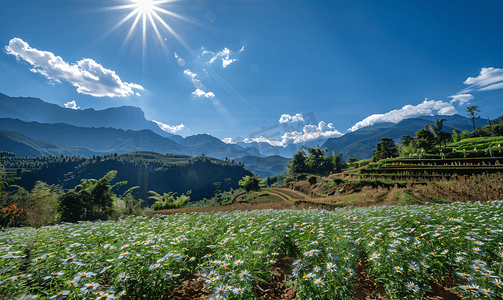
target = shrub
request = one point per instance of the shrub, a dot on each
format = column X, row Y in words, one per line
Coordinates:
column 250, row 183
column 92, row 199
column 168, row 200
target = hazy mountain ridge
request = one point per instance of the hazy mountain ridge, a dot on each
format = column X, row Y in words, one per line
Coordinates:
column 110, row 140
column 34, row 109
column 24, row 146
column 32, row 116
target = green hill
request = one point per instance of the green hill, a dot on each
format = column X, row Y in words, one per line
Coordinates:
column 149, row 170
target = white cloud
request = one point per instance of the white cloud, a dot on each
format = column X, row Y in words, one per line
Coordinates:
column 426, row 108
column 461, row 98
column 188, row 72
column 285, row 118
column 200, row 93
column 313, row 132
column 137, row 94
column 488, row 79
column 226, row 62
column 72, row 105
column 228, row 141
column 225, row 54
column 168, row 128
column 309, row 133
column 88, row 76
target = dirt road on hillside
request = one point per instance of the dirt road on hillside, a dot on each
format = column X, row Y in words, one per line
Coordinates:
column 291, row 193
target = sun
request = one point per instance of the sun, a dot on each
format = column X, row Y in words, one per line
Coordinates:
column 145, row 12
column 145, row 6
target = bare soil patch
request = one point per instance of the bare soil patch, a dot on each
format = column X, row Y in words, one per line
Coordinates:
column 274, row 288
column 367, row 288
column 191, row 288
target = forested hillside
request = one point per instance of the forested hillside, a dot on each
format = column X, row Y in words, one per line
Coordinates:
column 148, row 170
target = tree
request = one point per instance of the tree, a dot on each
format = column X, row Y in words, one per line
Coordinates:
column 315, row 160
column 406, row 140
column 424, row 139
column 218, row 192
column 472, row 112
column 337, row 163
column 250, row 183
column 73, row 206
column 385, row 148
column 455, row 135
column 4, row 179
column 353, row 160
column 298, row 164
column 91, row 199
column 439, row 135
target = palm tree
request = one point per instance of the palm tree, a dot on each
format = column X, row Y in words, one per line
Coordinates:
column 472, row 111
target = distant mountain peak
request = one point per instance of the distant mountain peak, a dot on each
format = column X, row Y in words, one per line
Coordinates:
column 34, row 109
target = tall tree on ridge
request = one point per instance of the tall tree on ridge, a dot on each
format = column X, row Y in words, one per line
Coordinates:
column 472, row 112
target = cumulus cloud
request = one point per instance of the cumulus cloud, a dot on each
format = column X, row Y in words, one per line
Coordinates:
column 427, row 108
column 309, row 133
column 168, row 128
column 225, row 54
column 71, row 104
column 312, row 132
column 285, row 118
column 461, row 98
column 228, row 141
column 201, row 93
column 226, row 62
column 86, row 75
column 488, row 79
column 188, row 72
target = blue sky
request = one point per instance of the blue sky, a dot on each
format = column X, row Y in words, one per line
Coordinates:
column 300, row 70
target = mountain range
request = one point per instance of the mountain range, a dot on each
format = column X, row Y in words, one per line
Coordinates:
column 34, row 109
column 32, row 127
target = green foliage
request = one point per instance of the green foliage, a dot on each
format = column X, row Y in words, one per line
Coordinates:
column 298, row 164
column 385, row 149
column 168, row 200
column 439, row 135
column 250, row 183
column 172, row 172
column 424, row 139
column 73, row 206
column 91, row 199
column 4, row 179
column 408, row 199
column 131, row 205
column 314, row 162
column 472, row 112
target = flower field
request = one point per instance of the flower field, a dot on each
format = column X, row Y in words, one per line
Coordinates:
column 404, row 248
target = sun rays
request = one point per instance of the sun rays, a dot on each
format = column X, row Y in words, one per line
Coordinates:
column 145, row 6
column 144, row 14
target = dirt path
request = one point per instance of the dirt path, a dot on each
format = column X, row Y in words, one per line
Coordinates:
column 343, row 174
column 291, row 193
